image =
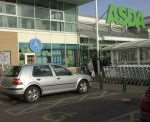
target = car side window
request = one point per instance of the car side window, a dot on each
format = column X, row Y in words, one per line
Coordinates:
column 61, row 71
column 42, row 71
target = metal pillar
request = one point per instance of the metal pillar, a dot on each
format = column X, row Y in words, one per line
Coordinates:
column 138, row 56
column 112, row 58
column 97, row 37
column 99, row 51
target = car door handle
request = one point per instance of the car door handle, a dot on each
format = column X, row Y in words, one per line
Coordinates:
column 58, row 78
column 38, row 79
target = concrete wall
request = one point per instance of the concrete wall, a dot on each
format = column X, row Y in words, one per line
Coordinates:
column 9, row 42
column 47, row 37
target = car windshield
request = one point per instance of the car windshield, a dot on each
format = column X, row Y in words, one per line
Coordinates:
column 12, row 71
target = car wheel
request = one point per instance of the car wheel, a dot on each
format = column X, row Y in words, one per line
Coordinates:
column 82, row 87
column 32, row 94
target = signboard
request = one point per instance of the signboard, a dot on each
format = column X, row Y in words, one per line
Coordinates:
column 36, row 45
column 5, row 57
column 125, row 16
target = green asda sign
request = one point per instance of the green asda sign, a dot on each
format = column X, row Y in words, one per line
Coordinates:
column 125, row 16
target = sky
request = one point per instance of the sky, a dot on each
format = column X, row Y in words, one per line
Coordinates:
column 89, row 9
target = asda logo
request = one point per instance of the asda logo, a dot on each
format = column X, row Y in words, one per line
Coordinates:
column 125, row 16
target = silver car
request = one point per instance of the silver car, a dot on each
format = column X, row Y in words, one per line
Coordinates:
column 33, row 81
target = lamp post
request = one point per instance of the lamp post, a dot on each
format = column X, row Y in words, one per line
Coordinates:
column 97, row 37
column 100, row 70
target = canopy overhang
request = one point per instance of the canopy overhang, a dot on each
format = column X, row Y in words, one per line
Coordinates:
column 75, row 2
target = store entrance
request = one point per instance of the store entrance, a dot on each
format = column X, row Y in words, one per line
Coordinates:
column 29, row 58
column 93, row 57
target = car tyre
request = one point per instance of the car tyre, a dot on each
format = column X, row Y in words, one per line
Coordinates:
column 82, row 87
column 32, row 94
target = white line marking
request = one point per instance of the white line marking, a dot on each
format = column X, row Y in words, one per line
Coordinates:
column 61, row 116
column 30, row 108
column 131, row 114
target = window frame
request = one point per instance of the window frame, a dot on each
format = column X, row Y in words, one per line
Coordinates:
column 60, row 22
column 57, row 20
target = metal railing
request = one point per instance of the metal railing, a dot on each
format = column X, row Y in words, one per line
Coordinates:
column 127, row 75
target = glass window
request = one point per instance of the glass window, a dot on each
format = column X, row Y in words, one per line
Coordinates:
column 61, row 71
column 43, row 59
column 84, row 40
column 84, row 54
column 42, row 71
column 53, row 4
column 12, row 1
column 60, row 5
column 127, row 56
column 26, row 23
column 8, row 8
column 57, row 15
column 70, row 13
column 12, row 21
column 42, row 24
column 8, row 21
column 56, row 5
column 2, row 21
column 44, row 56
column 11, row 9
column 58, row 54
column 29, row 2
column 42, row 13
column 70, row 58
column 42, row 3
column 72, row 53
column 57, row 26
column 1, row 7
column 145, row 55
column 70, row 27
column 12, row 71
column 26, row 10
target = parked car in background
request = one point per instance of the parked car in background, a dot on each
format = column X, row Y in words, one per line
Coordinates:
column 145, row 106
column 33, row 81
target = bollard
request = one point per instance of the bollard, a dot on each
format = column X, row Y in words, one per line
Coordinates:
column 101, row 76
column 124, row 84
column 100, row 79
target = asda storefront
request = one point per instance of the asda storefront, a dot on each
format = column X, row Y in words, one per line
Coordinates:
column 37, row 31
column 64, row 54
column 122, row 25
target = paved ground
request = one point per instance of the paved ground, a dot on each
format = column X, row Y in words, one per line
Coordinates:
column 96, row 106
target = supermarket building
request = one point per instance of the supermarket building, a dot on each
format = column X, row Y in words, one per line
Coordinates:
column 50, row 31
column 37, row 31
